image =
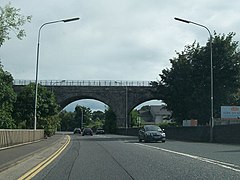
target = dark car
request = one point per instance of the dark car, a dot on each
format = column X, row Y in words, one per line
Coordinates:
column 87, row 131
column 100, row 131
column 77, row 131
column 151, row 133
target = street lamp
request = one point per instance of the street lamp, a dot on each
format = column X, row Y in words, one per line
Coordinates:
column 81, row 123
column 126, row 105
column 212, row 119
column 38, row 45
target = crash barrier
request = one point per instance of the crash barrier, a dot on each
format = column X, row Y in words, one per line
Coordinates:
column 128, row 132
column 11, row 137
column 192, row 133
column 221, row 133
column 227, row 133
column 197, row 133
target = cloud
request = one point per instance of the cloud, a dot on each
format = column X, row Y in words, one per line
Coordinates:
column 89, row 103
column 123, row 40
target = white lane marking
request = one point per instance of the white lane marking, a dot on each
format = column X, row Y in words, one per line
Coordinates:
column 211, row 161
column 102, row 136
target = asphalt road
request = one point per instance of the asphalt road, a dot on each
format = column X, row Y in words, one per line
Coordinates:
column 10, row 157
column 103, row 157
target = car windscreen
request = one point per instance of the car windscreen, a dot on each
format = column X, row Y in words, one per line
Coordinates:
column 152, row 128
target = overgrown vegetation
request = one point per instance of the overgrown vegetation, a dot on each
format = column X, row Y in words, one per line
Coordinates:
column 7, row 99
column 185, row 87
column 81, row 117
column 47, row 109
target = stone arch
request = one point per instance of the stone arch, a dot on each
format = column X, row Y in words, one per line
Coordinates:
column 114, row 96
column 77, row 98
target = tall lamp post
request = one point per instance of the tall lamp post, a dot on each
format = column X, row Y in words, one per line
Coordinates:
column 212, row 118
column 126, row 123
column 81, row 123
column 36, row 80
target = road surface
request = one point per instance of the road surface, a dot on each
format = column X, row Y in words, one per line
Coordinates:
column 103, row 157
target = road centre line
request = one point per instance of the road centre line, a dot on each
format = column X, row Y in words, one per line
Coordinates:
column 225, row 165
column 33, row 172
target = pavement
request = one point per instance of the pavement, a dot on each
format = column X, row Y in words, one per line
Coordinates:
column 16, row 161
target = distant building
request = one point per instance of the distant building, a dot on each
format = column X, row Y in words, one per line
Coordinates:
column 155, row 114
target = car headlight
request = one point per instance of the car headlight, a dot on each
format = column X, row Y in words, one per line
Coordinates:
column 147, row 134
column 163, row 134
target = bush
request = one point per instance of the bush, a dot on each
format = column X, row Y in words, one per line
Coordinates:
column 167, row 124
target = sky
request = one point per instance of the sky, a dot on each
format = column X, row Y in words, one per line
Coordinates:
column 114, row 39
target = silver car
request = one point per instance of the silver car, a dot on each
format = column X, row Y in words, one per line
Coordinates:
column 100, row 131
column 151, row 133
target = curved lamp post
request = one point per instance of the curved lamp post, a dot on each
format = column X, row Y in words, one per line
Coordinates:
column 212, row 119
column 38, row 45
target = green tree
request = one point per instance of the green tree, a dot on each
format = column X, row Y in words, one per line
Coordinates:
column 47, row 108
column 176, row 83
column 7, row 99
column 98, row 120
column 226, row 71
column 67, row 121
column 134, row 117
column 11, row 20
column 97, row 115
column 110, row 121
column 185, row 87
column 71, row 120
column 85, row 113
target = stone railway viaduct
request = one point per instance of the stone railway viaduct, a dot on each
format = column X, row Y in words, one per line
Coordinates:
column 121, row 97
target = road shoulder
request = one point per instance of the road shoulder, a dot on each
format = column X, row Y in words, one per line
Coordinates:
column 17, row 169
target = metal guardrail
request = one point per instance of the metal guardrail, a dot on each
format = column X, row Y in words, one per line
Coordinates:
column 83, row 83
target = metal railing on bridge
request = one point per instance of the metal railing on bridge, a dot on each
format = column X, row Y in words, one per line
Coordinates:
column 84, row 82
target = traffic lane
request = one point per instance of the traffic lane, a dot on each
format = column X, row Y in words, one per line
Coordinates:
column 149, row 163
column 84, row 159
column 221, row 152
column 61, row 166
column 97, row 162
column 228, row 153
column 13, row 155
column 117, row 157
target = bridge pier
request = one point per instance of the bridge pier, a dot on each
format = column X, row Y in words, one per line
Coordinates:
column 121, row 122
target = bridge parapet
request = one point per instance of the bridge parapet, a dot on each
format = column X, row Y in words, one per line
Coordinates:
column 84, row 83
